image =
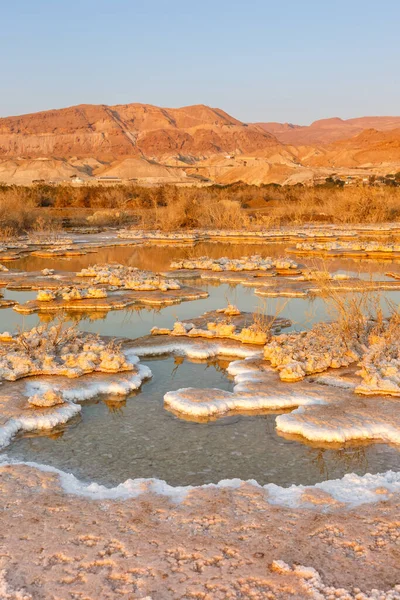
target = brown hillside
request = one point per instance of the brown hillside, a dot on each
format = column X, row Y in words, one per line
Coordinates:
column 108, row 132
column 326, row 131
column 371, row 147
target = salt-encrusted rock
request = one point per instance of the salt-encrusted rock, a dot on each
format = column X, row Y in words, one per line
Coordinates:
column 231, row 310
column 158, row 235
column 45, row 400
column 129, row 278
column 246, row 263
column 228, row 323
column 52, row 350
column 70, row 294
column 6, row 336
column 45, row 296
column 380, row 365
column 347, row 247
column 302, row 353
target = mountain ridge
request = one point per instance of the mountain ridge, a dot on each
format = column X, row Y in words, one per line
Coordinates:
column 191, row 144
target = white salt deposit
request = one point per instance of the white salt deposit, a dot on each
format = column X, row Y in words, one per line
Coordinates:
column 55, row 402
column 56, row 351
column 352, row 490
column 194, row 348
column 129, row 278
column 296, row 355
column 71, row 293
column 246, row 263
column 33, row 421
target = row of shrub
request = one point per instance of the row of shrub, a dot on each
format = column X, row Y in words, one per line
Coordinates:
column 169, row 207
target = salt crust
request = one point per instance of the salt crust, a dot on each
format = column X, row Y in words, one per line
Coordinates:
column 46, row 400
column 246, row 263
column 303, row 287
column 352, row 490
column 255, row 390
column 71, row 293
column 128, row 278
column 227, row 323
column 298, row 354
column 54, row 351
column 329, row 413
column 309, row 231
column 317, row 590
column 380, row 366
column 191, row 347
column 377, row 350
column 71, row 394
column 363, row 246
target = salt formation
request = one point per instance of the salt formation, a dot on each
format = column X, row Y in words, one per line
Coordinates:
column 6, row 336
column 49, row 239
column 353, row 247
column 376, row 344
column 129, row 278
column 310, row 285
column 231, row 310
column 163, row 236
column 298, row 354
column 71, row 293
column 316, row 589
column 48, row 399
column 315, row 275
column 209, row 403
column 380, row 364
column 45, row 295
column 246, row 263
column 256, row 389
column 228, row 323
column 196, row 348
column 56, row 351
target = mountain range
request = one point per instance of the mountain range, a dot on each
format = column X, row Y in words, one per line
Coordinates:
column 193, row 144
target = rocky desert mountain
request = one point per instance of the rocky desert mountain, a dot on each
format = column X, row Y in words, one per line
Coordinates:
column 193, row 144
column 325, row 131
column 108, row 132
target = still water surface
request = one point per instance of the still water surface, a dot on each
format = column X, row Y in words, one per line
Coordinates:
column 113, row 440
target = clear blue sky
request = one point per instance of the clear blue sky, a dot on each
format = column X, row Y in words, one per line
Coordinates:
column 291, row 60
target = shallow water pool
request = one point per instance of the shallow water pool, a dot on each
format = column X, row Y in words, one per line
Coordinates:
column 113, row 440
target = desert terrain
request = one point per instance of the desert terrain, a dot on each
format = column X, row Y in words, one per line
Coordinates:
column 193, row 145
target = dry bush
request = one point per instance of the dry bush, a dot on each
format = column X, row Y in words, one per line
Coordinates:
column 352, row 311
column 264, row 319
column 109, row 218
column 53, row 336
column 16, row 215
column 235, row 206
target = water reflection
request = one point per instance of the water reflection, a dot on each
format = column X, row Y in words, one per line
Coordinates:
column 114, row 441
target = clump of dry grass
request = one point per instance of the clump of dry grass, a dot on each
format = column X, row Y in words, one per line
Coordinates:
column 264, row 320
column 53, row 336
